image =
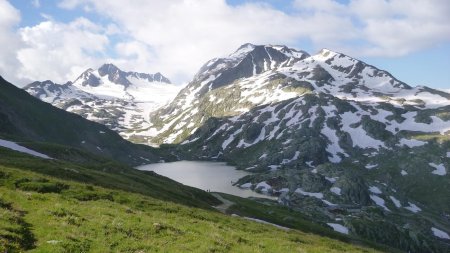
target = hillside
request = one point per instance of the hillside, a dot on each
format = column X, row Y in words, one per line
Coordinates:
column 60, row 197
column 335, row 138
column 41, row 213
column 25, row 118
column 117, row 99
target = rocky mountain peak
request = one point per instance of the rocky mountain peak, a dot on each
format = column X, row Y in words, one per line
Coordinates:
column 114, row 74
column 358, row 71
column 87, row 78
column 157, row 77
column 248, row 60
column 108, row 68
column 36, row 84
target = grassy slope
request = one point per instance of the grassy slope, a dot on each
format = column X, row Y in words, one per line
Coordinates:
column 26, row 118
column 45, row 214
column 284, row 216
column 88, row 168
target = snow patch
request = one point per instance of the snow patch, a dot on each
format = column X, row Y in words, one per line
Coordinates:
column 333, row 148
column 439, row 169
column 331, row 179
column 411, row 143
column 395, row 201
column 295, row 157
column 439, row 233
column 16, row 147
column 274, row 167
column 413, row 208
column 375, row 190
column 230, row 139
column 371, row 166
column 246, row 186
column 335, row 190
column 359, row 135
column 379, row 201
column 310, row 194
column 263, row 187
column 338, row 228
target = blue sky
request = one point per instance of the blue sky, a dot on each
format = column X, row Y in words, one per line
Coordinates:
column 57, row 39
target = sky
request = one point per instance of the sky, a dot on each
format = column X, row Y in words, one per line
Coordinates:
column 58, row 39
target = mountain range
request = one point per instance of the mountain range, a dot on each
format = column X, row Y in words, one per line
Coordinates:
column 67, row 185
column 336, row 139
column 120, row 100
column 24, row 118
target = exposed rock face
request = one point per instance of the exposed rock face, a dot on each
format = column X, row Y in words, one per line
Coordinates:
column 337, row 139
column 118, row 99
column 331, row 135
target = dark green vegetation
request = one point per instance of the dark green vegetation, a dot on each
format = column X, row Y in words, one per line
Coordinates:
column 281, row 215
column 339, row 141
column 398, row 227
column 345, row 143
column 42, row 213
column 83, row 201
column 87, row 168
column 25, row 118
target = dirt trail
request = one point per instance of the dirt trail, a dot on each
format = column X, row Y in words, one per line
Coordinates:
column 225, row 203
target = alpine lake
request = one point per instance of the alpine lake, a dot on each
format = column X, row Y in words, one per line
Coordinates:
column 208, row 176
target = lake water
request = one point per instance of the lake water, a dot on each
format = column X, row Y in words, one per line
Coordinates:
column 212, row 176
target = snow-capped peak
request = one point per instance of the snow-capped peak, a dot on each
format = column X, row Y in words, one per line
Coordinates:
column 248, row 60
column 114, row 74
column 108, row 68
column 108, row 95
column 242, row 50
column 110, row 73
column 87, row 78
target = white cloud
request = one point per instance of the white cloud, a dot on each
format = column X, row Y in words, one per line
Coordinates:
column 134, row 56
column 183, row 34
column 320, row 6
column 36, row 3
column 60, row 51
column 387, row 28
column 400, row 27
column 9, row 41
column 70, row 4
column 176, row 37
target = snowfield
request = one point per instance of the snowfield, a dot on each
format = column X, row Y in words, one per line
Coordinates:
column 338, row 228
column 439, row 233
column 413, row 208
column 379, row 202
column 439, row 169
column 16, row 147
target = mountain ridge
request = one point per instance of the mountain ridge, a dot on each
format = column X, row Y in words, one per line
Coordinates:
column 118, row 99
column 310, row 74
column 26, row 118
column 117, row 76
column 333, row 137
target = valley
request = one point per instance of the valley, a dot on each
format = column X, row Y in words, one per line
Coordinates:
column 325, row 144
column 207, row 176
column 120, row 100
